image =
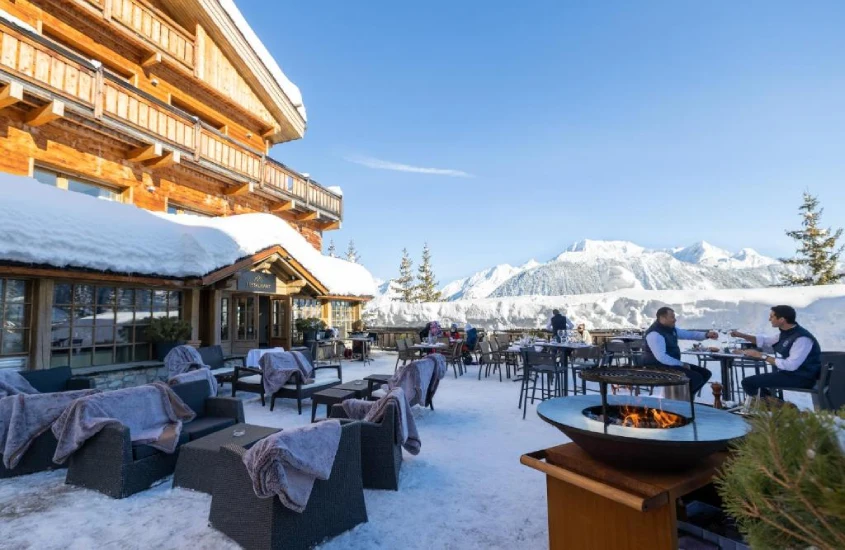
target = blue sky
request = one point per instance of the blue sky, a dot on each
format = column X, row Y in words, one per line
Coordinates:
column 663, row 123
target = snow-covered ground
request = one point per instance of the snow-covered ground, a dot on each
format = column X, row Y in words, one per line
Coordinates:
column 466, row 489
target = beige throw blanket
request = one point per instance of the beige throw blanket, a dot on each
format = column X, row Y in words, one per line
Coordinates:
column 374, row 411
column 12, row 383
column 286, row 463
column 182, row 359
column 153, row 414
column 24, row 417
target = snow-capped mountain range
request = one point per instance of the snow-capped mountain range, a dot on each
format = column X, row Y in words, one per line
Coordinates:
column 588, row 267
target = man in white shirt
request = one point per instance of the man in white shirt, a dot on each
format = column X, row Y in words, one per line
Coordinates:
column 660, row 347
column 799, row 363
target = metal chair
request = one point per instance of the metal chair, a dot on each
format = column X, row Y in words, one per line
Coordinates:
column 829, row 392
column 544, row 366
column 584, row 358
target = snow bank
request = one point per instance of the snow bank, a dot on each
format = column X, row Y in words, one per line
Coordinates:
column 819, row 309
column 289, row 88
column 40, row 224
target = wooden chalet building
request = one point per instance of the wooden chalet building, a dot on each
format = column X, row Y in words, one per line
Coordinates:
column 171, row 106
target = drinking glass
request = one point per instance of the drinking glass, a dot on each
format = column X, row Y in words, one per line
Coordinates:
column 560, row 335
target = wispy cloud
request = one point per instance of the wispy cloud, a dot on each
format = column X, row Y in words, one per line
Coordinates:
column 379, row 164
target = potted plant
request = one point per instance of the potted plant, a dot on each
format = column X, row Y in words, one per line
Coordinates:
column 308, row 327
column 783, row 483
column 166, row 333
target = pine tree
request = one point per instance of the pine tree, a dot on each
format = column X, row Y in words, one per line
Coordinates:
column 817, row 251
column 427, row 284
column 331, row 250
column 407, row 289
column 352, row 253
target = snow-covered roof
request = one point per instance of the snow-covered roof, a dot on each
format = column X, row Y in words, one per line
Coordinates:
column 289, row 88
column 41, row 224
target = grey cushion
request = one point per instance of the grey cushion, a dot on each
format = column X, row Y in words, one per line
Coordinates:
column 141, row 450
column 206, row 425
column 194, row 395
column 319, row 382
column 253, row 379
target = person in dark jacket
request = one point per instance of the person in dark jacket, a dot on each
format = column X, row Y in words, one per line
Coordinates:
column 558, row 322
column 471, row 334
column 660, row 347
column 453, row 332
column 799, row 364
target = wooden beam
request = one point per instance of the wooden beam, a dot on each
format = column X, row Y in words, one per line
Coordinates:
column 153, row 59
column 168, row 159
column 46, row 114
column 266, row 134
column 145, row 152
column 283, row 207
column 238, row 190
column 330, row 226
column 307, row 216
column 10, row 94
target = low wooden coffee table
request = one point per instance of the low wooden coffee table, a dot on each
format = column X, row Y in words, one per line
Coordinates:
column 329, row 397
column 360, row 387
column 376, row 380
column 197, row 462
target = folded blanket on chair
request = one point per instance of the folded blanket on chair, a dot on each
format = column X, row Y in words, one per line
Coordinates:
column 153, row 414
column 12, row 383
column 191, row 376
column 279, row 367
column 24, row 417
column 420, row 378
column 374, row 411
column 287, row 463
column 182, row 359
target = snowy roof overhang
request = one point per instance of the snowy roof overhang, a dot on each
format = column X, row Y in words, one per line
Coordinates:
column 227, row 26
column 42, row 226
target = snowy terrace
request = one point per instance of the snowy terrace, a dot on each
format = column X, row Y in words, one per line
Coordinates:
column 466, row 488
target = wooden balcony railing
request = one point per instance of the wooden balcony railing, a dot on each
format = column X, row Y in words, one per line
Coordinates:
column 97, row 93
column 155, row 28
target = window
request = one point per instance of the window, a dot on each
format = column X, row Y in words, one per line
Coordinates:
column 245, row 318
column 342, row 317
column 103, row 325
column 173, row 208
column 277, row 326
column 15, row 314
column 304, row 308
column 224, row 319
column 72, row 183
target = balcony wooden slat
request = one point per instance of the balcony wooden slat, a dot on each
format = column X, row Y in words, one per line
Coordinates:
column 151, row 26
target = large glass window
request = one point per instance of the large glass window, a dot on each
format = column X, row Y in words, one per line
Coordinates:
column 342, row 317
column 174, row 208
column 15, row 315
column 71, row 183
column 304, row 308
column 277, row 326
column 103, row 325
column 224, row 319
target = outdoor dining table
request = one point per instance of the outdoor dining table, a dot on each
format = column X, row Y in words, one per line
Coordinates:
column 566, row 347
column 364, row 347
column 726, row 363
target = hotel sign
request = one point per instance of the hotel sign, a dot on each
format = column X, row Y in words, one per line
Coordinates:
column 252, row 281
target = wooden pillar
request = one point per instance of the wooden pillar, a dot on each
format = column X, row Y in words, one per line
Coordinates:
column 191, row 310
column 327, row 312
column 212, row 321
column 41, row 336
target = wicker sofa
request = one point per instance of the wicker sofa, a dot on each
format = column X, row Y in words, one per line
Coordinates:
column 110, row 463
column 336, row 504
column 39, row 456
column 381, row 451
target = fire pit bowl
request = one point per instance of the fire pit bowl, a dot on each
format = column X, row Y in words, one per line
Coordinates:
column 625, row 446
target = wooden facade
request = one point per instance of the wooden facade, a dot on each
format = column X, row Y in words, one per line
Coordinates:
column 164, row 106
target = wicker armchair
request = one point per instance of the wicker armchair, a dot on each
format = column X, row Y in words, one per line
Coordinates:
column 381, row 452
column 110, row 463
column 39, row 456
column 336, row 504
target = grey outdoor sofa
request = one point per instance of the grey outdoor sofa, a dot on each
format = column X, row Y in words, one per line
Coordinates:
column 381, row 451
column 110, row 463
column 336, row 504
column 39, row 456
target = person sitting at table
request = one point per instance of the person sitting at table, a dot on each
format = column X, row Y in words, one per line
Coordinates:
column 583, row 334
column 453, row 332
column 558, row 322
column 660, row 347
column 470, row 342
column 799, row 363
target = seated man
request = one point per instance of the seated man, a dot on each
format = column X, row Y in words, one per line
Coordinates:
column 660, row 347
column 799, row 363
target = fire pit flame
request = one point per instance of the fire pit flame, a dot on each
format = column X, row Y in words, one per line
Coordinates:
column 633, row 416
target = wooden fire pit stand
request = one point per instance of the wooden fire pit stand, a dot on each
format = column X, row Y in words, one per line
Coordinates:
column 596, row 506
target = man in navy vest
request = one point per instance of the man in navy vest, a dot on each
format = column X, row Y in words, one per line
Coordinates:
column 800, row 359
column 660, row 347
column 558, row 322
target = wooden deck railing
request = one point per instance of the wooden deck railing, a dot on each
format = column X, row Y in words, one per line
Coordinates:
column 35, row 59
